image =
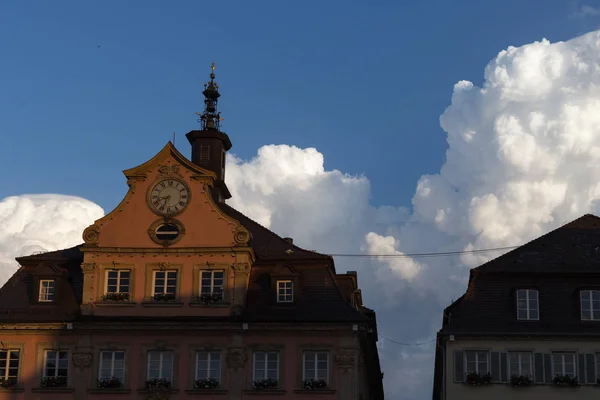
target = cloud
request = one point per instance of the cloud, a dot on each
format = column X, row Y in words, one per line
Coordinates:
column 523, row 157
column 588, row 11
column 37, row 223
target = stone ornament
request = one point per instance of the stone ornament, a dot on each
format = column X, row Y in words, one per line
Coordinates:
column 163, row 266
column 91, row 234
column 166, row 169
column 88, row 268
column 82, row 359
column 241, row 237
column 345, row 359
column 236, row 358
column 159, row 394
column 241, row 267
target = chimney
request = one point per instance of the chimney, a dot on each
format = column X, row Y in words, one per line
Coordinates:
column 289, row 240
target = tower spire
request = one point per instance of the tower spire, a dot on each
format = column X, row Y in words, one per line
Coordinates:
column 210, row 118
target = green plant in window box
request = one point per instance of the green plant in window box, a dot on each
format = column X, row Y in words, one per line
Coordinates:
column 8, row 383
column 206, row 383
column 521, row 380
column 268, row 383
column 120, row 297
column 565, row 381
column 158, row 383
column 54, row 381
column 314, row 384
column 210, row 298
column 477, row 379
column 163, row 297
column 106, row 383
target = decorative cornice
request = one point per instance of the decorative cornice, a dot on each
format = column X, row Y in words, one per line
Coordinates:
column 175, row 250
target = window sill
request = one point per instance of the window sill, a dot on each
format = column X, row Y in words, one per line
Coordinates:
column 211, row 305
column 273, row 392
column 315, row 391
column 162, row 304
column 14, row 389
column 170, row 390
column 116, row 304
column 63, row 389
column 109, row 391
column 206, row 391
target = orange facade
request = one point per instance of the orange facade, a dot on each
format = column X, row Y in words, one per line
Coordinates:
column 176, row 295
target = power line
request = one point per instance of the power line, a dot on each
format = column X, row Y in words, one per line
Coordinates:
column 405, row 344
column 440, row 254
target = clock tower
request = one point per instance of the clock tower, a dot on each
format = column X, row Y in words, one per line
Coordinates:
column 209, row 144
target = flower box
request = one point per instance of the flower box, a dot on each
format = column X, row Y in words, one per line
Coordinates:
column 54, row 381
column 521, row 380
column 476, row 379
column 265, row 384
column 565, row 381
column 106, row 383
column 8, row 383
column 210, row 298
column 158, row 383
column 314, row 384
column 210, row 383
column 163, row 297
column 121, row 297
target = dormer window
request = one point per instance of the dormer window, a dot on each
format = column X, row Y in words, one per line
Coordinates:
column 46, row 292
column 285, row 291
column 528, row 304
column 590, row 305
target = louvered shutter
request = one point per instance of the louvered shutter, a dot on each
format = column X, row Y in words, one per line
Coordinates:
column 538, row 371
column 590, row 369
column 495, row 366
column 503, row 368
column 581, row 370
column 547, row 368
column 459, row 373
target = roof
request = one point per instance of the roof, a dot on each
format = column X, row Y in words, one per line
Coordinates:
column 558, row 265
column 319, row 297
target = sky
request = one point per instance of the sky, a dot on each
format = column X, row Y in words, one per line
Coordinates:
column 392, row 128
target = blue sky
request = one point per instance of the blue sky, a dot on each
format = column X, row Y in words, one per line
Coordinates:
column 364, row 84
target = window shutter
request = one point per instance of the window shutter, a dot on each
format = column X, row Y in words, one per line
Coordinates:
column 495, row 370
column 547, row 368
column 459, row 374
column 538, row 368
column 503, row 368
column 590, row 370
column 581, row 369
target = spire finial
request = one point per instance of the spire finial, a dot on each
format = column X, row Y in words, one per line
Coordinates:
column 210, row 118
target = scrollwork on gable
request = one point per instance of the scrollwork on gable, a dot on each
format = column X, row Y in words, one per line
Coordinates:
column 91, row 234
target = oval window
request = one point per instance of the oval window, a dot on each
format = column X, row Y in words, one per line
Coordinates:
column 167, row 232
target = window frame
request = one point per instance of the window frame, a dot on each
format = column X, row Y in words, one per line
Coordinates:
column 520, row 353
column 573, row 354
column 278, row 288
column 57, row 366
column 40, row 287
column 149, row 287
column 112, row 366
column 101, row 288
column 197, row 270
column 7, row 368
column 166, row 278
column 591, row 300
column 476, row 352
column 118, row 271
column 161, row 351
column 266, row 352
column 316, row 360
column 212, row 281
column 209, row 354
column 528, row 310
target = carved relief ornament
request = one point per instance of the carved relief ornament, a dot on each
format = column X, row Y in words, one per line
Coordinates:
column 236, row 358
column 88, row 268
column 82, row 359
column 241, row 267
column 241, row 237
column 345, row 359
column 166, row 169
column 91, row 234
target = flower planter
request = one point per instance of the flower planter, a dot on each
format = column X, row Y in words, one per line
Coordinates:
column 54, row 381
column 210, row 298
column 163, row 297
column 475, row 379
column 158, row 383
column 314, row 384
column 117, row 297
column 265, row 384
column 209, row 383
column 565, row 381
column 521, row 380
column 112, row 383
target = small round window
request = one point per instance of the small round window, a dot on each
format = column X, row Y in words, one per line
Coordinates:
column 167, row 232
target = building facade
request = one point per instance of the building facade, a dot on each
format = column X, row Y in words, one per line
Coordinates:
column 528, row 326
column 176, row 295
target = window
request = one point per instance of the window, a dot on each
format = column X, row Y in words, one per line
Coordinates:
column 315, row 366
column 46, row 294
column 56, row 368
column 165, row 285
column 112, row 367
column 590, row 305
column 9, row 366
column 167, row 232
column 160, row 365
column 208, row 365
column 476, row 361
column 527, row 304
column 520, row 363
column 265, row 366
column 285, row 291
column 117, row 281
column 204, row 153
column 563, row 364
column 211, row 283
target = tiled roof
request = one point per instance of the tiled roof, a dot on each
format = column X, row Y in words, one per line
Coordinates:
column 557, row 264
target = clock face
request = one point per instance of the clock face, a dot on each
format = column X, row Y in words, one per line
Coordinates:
column 169, row 196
